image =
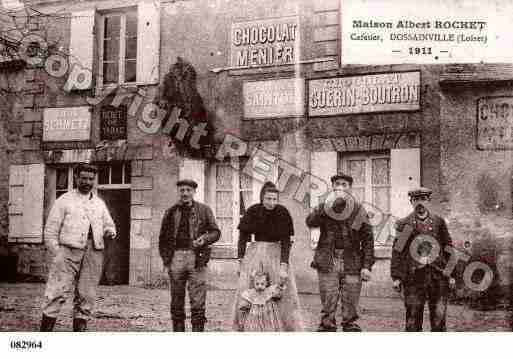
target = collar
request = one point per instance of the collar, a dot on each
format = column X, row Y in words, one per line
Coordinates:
column 185, row 206
column 77, row 193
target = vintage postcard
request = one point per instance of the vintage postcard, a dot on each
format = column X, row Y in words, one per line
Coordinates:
column 254, row 166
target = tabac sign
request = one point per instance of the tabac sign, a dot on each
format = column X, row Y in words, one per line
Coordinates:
column 495, row 123
column 270, row 42
column 398, row 91
column 273, row 98
column 67, row 124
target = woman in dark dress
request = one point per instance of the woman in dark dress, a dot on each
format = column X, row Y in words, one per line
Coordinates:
column 272, row 227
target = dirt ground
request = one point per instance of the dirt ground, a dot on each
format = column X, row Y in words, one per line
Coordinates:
column 125, row 308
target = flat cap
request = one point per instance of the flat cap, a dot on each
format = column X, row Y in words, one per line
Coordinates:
column 342, row 176
column 187, row 182
column 420, row 191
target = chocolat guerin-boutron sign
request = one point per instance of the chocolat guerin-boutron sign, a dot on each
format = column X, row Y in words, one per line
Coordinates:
column 270, row 42
column 398, row 91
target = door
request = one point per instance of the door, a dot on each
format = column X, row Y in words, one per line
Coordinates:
column 117, row 251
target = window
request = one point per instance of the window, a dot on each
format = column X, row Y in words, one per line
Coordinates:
column 371, row 181
column 231, row 193
column 115, row 175
column 118, row 47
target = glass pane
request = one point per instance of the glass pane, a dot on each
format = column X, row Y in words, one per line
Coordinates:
column 131, row 24
column 103, row 174
column 110, row 72
column 128, row 172
column 111, row 50
column 224, row 204
column 380, row 171
column 226, row 227
column 246, row 197
column 59, row 193
column 224, row 175
column 359, row 193
column 357, row 171
column 131, row 48
column 117, row 173
column 130, row 71
column 62, row 179
column 381, row 198
column 112, row 26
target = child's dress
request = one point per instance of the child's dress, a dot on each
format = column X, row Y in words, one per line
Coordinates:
column 259, row 310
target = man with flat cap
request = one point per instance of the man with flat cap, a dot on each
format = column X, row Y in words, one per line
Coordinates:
column 344, row 255
column 188, row 229
column 419, row 258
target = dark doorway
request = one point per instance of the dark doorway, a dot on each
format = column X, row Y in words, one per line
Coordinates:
column 116, row 260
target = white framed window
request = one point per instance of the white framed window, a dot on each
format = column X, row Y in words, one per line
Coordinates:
column 371, row 182
column 112, row 175
column 118, row 47
column 230, row 193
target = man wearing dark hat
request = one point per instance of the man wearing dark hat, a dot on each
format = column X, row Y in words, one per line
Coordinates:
column 188, row 229
column 419, row 258
column 344, row 255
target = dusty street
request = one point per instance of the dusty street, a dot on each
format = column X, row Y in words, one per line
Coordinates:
column 124, row 308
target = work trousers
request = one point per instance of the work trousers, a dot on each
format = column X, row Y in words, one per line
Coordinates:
column 335, row 286
column 73, row 273
column 183, row 274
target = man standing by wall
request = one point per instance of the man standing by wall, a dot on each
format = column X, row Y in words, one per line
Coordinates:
column 344, row 255
column 188, row 229
column 74, row 234
column 418, row 260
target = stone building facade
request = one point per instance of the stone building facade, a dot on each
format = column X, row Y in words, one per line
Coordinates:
column 282, row 106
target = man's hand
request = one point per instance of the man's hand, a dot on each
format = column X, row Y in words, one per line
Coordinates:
column 284, row 273
column 109, row 234
column 452, row 283
column 198, row 242
column 365, row 274
column 54, row 250
column 397, row 285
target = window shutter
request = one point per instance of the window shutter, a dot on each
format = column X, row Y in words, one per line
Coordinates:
column 322, row 165
column 195, row 170
column 148, row 42
column 82, row 41
column 26, row 194
column 405, row 175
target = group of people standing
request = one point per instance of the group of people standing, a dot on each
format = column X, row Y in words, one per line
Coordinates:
column 266, row 298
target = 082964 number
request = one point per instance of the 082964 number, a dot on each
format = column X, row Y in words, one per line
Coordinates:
column 26, row 344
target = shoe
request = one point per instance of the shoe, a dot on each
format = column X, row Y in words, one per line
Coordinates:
column 324, row 329
column 79, row 325
column 198, row 327
column 351, row 327
column 47, row 323
column 178, row 326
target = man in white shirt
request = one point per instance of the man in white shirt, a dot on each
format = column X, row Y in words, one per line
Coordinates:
column 74, row 233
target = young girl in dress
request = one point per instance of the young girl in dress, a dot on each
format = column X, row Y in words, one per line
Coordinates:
column 258, row 308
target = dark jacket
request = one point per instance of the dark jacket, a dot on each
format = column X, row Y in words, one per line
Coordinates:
column 201, row 221
column 403, row 265
column 358, row 249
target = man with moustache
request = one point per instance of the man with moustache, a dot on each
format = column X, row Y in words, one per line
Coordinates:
column 74, row 233
column 418, row 261
column 188, row 229
column 344, row 255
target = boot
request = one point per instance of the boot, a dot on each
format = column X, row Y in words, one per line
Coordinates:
column 178, row 326
column 79, row 325
column 47, row 323
column 198, row 327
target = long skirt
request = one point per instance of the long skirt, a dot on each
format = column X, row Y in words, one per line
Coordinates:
column 288, row 307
